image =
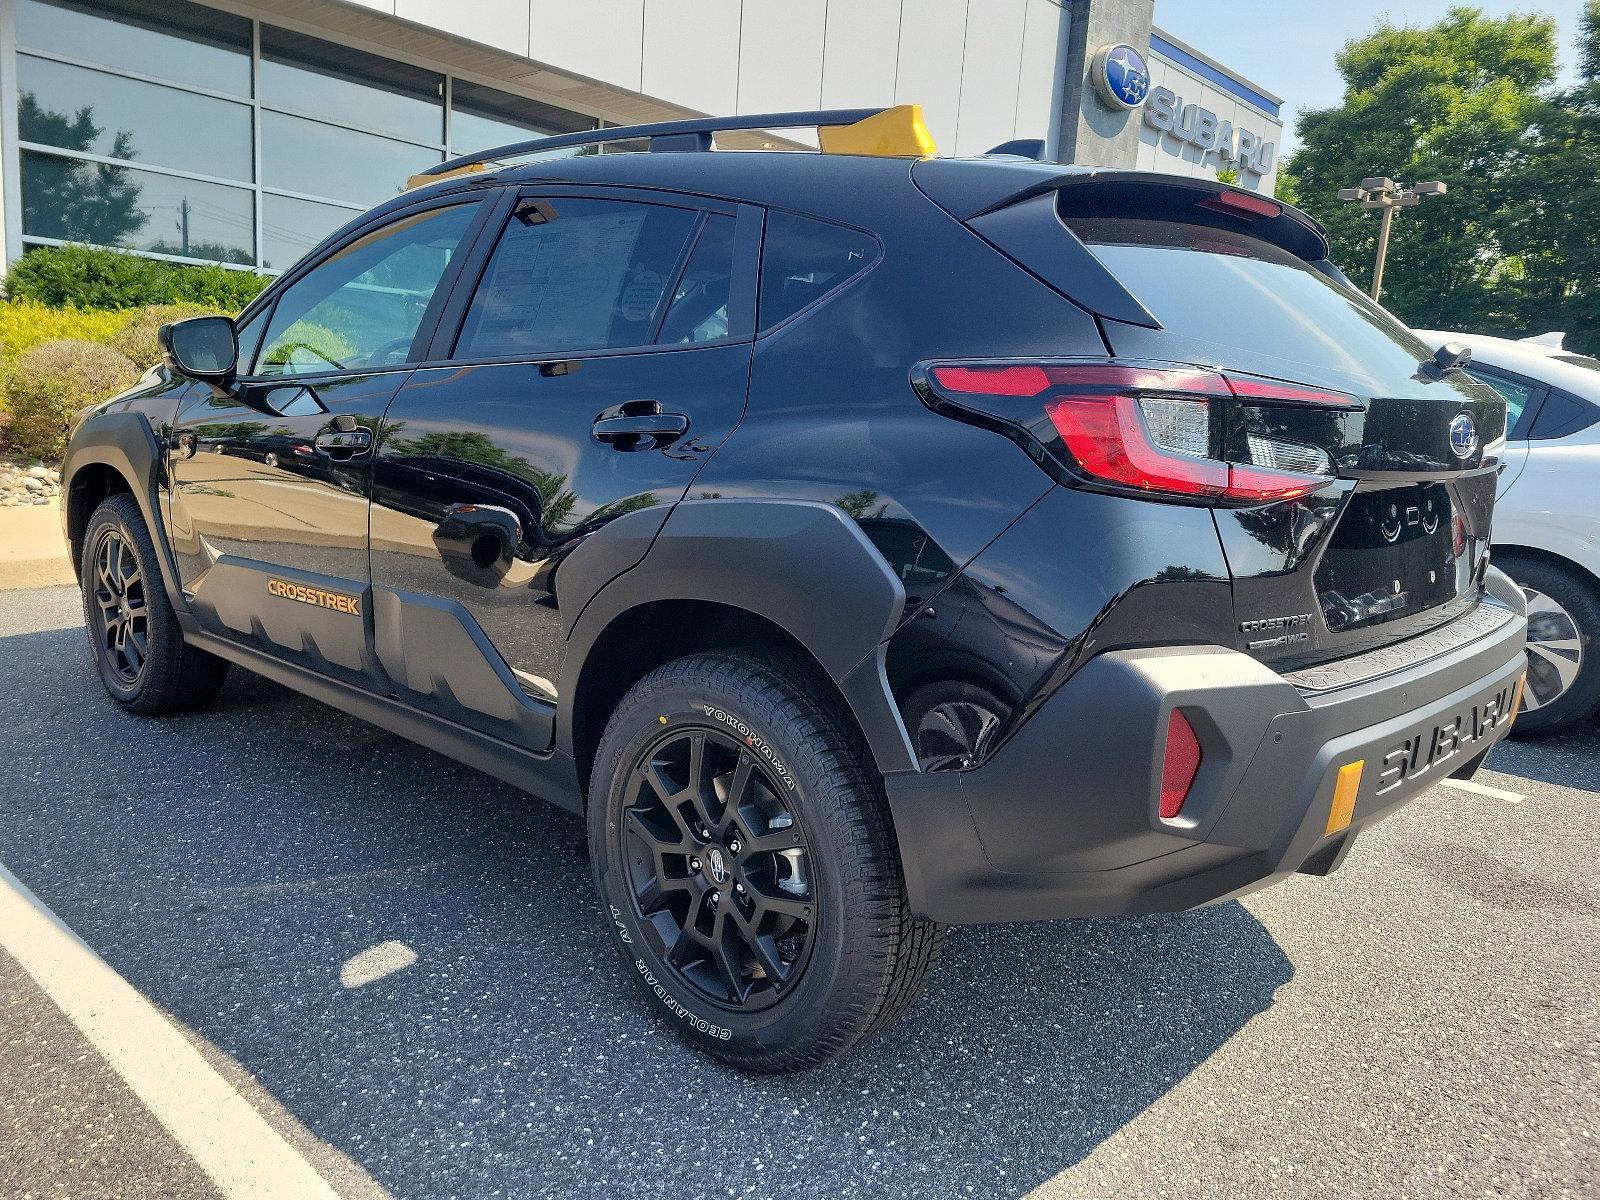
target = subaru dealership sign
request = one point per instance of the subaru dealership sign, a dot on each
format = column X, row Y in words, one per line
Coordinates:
column 1200, row 128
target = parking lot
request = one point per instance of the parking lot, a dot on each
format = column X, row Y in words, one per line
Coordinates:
column 1424, row 1023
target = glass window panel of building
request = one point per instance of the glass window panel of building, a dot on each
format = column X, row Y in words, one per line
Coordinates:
column 73, row 200
column 300, row 155
column 481, row 117
column 100, row 113
column 319, row 79
column 166, row 39
column 290, row 228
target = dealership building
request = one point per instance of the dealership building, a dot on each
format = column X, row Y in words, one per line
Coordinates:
column 243, row 133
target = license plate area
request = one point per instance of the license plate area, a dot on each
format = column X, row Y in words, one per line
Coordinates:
column 1395, row 552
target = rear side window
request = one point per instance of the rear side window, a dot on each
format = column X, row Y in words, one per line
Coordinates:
column 699, row 308
column 576, row 274
column 1516, row 395
column 803, row 260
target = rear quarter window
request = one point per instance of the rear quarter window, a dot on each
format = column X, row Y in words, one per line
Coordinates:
column 803, row 260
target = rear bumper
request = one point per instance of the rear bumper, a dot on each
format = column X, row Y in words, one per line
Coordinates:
column 1063, row 820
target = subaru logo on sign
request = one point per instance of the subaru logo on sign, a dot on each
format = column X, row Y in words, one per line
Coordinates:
column 1463, row 435
column 1121, row 76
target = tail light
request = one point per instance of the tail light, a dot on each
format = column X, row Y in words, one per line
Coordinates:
column 1180, row 763
column 1151, row 431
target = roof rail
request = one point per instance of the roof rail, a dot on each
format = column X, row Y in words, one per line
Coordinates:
column 892, row 132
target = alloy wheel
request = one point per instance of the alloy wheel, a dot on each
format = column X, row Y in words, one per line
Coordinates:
column 1555, row 650
column 121, row 609
column 954, row 735
column 719, row 868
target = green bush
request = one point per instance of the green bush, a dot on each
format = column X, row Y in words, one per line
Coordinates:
column 24, row 324
column 85, row 277
column 137, row 337
column 49, row 384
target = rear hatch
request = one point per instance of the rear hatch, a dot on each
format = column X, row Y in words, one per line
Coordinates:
column 1304, row 376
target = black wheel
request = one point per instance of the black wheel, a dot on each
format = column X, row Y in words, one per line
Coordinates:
column 1563, row 684
column 743, row 848
column 137, row 645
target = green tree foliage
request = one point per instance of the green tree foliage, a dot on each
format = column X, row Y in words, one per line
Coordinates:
column 1460, row 101
column 1557, row 241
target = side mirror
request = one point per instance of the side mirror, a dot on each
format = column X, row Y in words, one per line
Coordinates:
column 203, row 348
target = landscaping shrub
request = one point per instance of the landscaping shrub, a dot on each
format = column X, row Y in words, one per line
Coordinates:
column 24, row 324
column 49, row 384
column 137, row 337
column 85, row 277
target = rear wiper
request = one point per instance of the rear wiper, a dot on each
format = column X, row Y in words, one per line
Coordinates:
column 1452, row 356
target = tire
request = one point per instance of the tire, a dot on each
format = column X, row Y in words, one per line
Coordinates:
column 147, row 668
column 842, row 956
column 1563, row 628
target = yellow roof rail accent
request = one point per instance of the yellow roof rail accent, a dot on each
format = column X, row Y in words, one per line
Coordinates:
column 416, row 181
column 896, row 132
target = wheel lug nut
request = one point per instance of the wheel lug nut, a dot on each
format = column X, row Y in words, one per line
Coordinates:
column 733, row 846
column 716, row 897
column 739, row 887
column 694, row 864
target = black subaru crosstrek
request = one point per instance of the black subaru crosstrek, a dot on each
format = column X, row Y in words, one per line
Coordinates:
column 865, row 541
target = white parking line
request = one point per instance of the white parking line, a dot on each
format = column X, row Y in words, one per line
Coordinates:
column 231, row 1142
column 1482, row 789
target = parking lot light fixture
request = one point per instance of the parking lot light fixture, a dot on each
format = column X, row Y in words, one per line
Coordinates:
column 1381, row 192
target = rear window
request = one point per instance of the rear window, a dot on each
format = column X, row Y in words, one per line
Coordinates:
column 803, row 260
column 1224, row 292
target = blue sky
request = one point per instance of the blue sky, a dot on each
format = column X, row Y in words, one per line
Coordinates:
column 1287, row 46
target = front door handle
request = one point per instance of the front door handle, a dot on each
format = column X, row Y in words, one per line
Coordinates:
column 344, row 444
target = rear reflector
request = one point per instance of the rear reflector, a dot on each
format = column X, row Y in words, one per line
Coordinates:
column 1345, row 788
column 1179, row 765
column 1151, row 430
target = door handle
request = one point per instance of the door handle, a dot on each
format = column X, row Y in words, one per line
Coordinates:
column 342, row 445
column 639, row 425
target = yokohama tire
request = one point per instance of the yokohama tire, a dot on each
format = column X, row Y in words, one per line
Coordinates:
column 858, row 955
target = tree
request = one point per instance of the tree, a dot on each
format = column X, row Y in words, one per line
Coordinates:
column 70, row 199
column 1558, row 237
column 1458, row 101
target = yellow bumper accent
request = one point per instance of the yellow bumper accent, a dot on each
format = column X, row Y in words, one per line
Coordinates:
column 1516, row 698
column 896, row 132
column 1344, row 797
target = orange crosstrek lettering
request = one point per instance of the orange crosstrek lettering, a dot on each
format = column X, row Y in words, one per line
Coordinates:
column 337, row 601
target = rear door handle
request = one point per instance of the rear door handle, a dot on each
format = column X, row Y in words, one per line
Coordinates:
column 642, row 432
column 337, row 444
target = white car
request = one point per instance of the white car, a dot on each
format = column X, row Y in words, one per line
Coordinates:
column 1547, row 514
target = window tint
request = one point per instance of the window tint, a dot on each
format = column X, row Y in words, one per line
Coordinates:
column 1516, row 395
column 576, row 275
column 803, row 259
column 699, row 309
column 363, row 306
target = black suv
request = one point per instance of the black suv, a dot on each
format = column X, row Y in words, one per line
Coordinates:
column 864, row 541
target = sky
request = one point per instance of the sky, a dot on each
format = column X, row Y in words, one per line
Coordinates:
column 1287, row 46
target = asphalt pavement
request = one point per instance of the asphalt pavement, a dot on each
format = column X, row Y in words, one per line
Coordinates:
column 399, row 963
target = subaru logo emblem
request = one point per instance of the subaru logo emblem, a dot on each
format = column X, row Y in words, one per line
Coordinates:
column 1121, row 76
column 1463, row 436
column 718, row 865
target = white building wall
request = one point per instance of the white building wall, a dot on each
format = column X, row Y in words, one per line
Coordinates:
column 984, row 71
column 1159, row 151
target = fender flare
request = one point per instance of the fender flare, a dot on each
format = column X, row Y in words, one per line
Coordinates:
column 125, row 442
column 803, row 565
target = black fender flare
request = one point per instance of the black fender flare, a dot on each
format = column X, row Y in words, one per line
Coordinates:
column 125, row 442
column 803, row 565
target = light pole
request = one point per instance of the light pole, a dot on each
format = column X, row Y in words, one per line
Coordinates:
column 1378, row 192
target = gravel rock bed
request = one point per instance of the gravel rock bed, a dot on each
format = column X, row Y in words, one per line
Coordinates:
column 20, row 484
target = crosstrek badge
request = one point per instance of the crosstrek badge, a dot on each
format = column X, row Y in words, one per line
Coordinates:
column 337, row 601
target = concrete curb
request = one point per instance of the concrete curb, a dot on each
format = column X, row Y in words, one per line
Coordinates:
column 33, row 553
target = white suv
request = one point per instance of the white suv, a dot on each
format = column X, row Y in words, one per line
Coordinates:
column 1547, row 515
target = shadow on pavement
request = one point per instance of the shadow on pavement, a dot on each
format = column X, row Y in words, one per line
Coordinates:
column 228, row 864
